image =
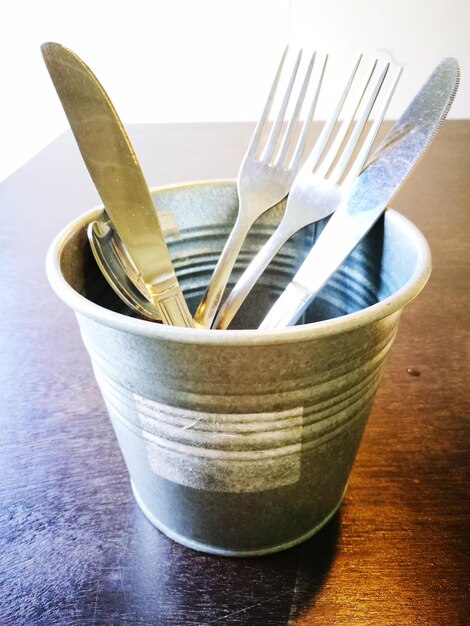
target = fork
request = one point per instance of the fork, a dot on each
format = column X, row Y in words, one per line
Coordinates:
column 324, row 179
column 266, row 172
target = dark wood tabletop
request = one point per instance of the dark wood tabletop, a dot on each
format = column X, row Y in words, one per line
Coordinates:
column 74, row 547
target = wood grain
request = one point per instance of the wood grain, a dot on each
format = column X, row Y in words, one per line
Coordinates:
column 75, row 549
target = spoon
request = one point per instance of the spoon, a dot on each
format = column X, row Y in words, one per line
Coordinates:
column 118, row 269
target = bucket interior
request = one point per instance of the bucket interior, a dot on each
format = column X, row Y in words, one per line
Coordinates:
column 205, row 213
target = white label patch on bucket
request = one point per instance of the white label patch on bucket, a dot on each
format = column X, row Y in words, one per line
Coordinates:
column 235, row 452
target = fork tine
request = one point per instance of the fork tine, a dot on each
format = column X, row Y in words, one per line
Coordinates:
column 263, row 120
column 340, row 138
column 365, row 149
column 355, row 136
column 327, row 129
column 297, row 154
column 276, row 128
column 293, row 122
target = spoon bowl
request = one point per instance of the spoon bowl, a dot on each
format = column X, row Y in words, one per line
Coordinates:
column 117, row 268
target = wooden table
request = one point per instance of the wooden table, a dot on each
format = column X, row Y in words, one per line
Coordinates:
column 76, row 550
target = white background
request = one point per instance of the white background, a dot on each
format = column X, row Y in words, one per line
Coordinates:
column 208, row 60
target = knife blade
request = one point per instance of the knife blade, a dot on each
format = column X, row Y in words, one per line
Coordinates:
column 379, row 181
column 113, row 166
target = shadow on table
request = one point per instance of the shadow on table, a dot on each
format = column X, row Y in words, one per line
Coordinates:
column 174, row 585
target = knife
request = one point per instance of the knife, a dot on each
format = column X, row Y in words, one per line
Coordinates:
column 378, row 182
column 118, row 178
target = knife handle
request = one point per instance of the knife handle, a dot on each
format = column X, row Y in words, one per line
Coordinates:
column 288, row 307
column 172, row 306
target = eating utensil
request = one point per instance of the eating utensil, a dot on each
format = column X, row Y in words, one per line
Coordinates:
column 370, row 194
column 118, row 269
column 326, row 176
column 118, row 178
column 265, row 175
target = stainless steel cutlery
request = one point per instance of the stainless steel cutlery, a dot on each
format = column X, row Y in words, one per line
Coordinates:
column 336, row 178
column 118, row 178
column 370, row 193
column 267, row 171
column 327, row 174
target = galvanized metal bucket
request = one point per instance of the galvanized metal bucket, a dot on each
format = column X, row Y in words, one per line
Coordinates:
column 241, row 442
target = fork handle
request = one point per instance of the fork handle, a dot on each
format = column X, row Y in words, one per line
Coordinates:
column 208, row 306
column 251, row 274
